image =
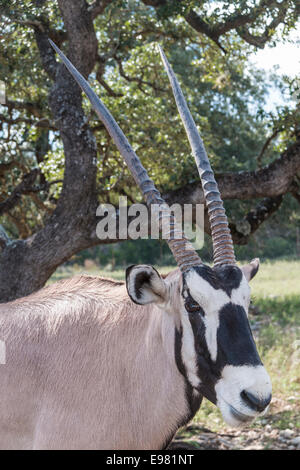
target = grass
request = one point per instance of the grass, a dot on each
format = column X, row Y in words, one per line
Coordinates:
column 276, row 293
column 91, row 269
column 277, row 279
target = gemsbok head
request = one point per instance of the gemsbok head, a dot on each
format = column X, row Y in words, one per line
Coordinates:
column 150, row 358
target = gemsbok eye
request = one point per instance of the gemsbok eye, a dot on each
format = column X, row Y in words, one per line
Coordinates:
column 192, row 306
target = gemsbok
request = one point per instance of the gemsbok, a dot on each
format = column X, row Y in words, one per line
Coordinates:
column 90, row 365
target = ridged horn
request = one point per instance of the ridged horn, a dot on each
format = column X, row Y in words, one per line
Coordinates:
column 222, row 241
column 181, row 248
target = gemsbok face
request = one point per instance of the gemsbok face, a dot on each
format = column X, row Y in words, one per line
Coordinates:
column 214, row 347
column 215, row 350
column 227, row 365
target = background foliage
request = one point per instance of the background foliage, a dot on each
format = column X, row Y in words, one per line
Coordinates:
column 227, row 96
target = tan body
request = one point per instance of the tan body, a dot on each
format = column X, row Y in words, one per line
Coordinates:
column 86, row 368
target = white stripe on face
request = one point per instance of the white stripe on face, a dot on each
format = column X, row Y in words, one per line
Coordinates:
column 241, row 295
column 188, row 351
column 211, row 300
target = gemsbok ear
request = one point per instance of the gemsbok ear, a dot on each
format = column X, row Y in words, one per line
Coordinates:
column 145, row 285
column 250, row 269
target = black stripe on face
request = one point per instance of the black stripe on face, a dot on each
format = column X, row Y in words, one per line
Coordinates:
column 235, row 346
column 178, row 356
column 235, row 341
column 193, row 400
column 226, row 277
column 207, row 372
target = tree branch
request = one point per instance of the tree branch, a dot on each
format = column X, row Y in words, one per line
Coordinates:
column 99, row 77
column 242, row 230
column 71, row 224
column 43, row 123
column 138, row 80
column 98, row 7
column 203, row 27
column 33, row 108
column 270, row 181
column 25, row 187
column 47, row 53
column 295, row 190
column 260, row 40
column 237, row 21
column 4, row 167
column 266, row 145
column 58, row 36
column 4, row 238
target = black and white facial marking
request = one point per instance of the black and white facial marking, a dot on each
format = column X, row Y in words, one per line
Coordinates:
column 214, row 346
column 218, row 349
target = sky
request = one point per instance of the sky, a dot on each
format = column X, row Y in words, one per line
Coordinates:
column 285, row 57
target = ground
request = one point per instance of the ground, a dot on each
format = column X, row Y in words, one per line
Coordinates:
column 275, row 321
column 258, row 438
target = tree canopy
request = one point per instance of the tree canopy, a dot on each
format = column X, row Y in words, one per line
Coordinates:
column 57, row 161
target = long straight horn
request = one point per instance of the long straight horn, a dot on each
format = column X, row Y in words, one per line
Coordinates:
column 220, row 232
column 182, row 250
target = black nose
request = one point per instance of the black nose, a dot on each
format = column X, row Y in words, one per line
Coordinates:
column 254, row 402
